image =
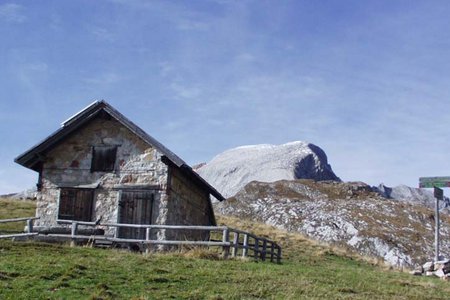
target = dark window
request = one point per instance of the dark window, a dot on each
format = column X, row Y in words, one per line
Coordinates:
column 103, row 158
column 75, row 204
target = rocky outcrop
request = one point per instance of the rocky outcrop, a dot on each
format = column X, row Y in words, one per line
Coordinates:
column 440, row 269
column 29, row 194
column 349, row 215
column 412, row 195
column 231, row 170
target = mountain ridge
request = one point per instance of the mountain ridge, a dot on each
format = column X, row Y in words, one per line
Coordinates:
column 350, row 215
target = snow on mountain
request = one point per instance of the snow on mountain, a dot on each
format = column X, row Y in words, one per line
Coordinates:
column 231, row 170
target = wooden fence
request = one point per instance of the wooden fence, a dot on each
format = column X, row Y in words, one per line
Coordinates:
column 29, row 231
column 234, row 242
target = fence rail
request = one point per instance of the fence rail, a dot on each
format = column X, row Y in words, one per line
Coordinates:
column 18, row 219
column 29, row 227
column 234, row 242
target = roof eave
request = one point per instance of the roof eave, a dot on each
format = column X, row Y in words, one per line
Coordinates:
column 31, row 156
column 186, row 169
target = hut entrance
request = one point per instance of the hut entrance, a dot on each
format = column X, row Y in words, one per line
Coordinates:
column 135, row 207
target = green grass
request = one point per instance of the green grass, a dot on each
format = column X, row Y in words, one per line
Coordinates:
column 10, row 209
column 31, row 270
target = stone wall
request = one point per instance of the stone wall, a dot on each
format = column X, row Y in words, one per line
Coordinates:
column 188, row 204
column 69, row 165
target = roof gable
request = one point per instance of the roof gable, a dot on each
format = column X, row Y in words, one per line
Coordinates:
column 32, row 157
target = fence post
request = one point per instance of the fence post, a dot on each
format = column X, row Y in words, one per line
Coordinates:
column 30, row 225
column 235, row 244
column 272, row 250
column 256, row 249
column 264, row 251
column 226, row 239
column 245, row 249
column 147, row 238
column 278, row 254
column 74, row 233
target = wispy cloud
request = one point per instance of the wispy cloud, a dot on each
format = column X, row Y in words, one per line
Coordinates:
column 30, row 74
column 187, row 25
column 166, row 68
column 246, row 57
column 102, row 34
column 139, row 4
column 12, row 13
column 177, row 15
column 56, row 22
column 368, row 81
column 186, row 92
column 105, row 78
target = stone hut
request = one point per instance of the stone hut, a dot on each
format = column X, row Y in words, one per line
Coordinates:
column 101, row 166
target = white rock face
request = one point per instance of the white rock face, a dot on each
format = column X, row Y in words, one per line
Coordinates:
column 29, row 194
column 412, row 195
column 349, row 215
column 231, row 170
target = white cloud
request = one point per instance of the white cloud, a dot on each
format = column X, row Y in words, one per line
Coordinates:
column 182, row 91
column 138, row 4
column 186, row 24
column 105, row 78
column 166, row 68
column 56, row 22
column 12, row 13
column 246, row 57
column 177, row 15
column 102, row 34
column 29, row 73
column 364, row 86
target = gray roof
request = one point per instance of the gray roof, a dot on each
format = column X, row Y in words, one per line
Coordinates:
column 31, row 158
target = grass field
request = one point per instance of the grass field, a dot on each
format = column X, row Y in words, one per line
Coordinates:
column 309, row 270
column 10, row 209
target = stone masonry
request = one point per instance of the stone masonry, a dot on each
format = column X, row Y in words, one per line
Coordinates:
column 137, row 165
column 68, row 165
column 100, row 167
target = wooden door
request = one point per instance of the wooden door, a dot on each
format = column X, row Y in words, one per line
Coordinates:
column 135, row 207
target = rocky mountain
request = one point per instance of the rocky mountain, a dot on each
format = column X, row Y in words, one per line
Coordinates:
column 231, row 170
column 412, row 195
column 349, row 215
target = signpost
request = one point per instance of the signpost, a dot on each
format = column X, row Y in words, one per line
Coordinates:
column 431, row 182
column 436, row 183
column 439, row 195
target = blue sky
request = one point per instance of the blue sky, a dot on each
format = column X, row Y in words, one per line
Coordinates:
column 367, row 81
